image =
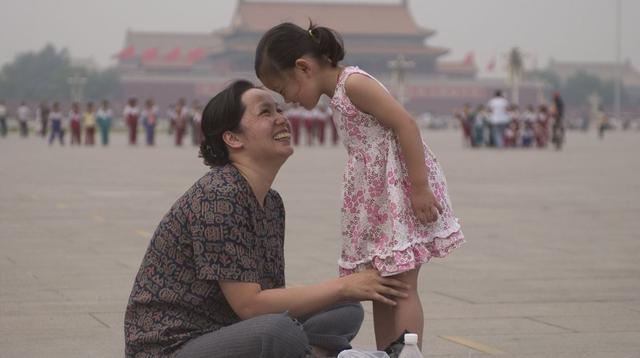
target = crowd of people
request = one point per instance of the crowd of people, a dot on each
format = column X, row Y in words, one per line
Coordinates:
column 500, row 124
column 83, row 122
column 52, row 122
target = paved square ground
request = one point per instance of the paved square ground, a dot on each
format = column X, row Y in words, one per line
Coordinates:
column 551, row 267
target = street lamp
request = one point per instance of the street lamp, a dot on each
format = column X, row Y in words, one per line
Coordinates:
column 618, row 72
column 398, row 68
column 76, row 87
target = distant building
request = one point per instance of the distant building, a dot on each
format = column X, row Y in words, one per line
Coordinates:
column 167, row 66
column 605, row 71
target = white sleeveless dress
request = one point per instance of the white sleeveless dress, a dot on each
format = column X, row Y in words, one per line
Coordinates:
column 379, row 227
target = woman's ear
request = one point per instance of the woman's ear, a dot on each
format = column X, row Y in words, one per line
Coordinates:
column 232, row 140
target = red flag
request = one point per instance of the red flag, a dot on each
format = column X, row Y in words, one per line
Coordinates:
column 195, row 54
column 469, row 59
column 149, row 54
column 173, row 55
column 492, row 64
column 126, row 53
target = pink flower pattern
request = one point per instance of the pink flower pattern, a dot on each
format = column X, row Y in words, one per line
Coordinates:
column 379, row 228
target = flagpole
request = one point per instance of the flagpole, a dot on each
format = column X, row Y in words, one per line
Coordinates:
column 618, row 73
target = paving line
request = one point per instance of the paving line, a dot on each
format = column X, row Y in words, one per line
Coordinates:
column 145, row 234
column 480, row 347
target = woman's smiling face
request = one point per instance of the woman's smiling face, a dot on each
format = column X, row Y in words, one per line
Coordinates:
column 264, row 131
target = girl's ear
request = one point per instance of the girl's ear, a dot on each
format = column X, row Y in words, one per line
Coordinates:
column 232, row 140
column 303, row 65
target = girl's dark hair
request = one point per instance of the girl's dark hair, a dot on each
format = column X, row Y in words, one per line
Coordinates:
column 222, row 113
column 283, row 44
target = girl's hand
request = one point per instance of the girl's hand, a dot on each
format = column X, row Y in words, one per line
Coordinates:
column 425, row 204
column 369, row 285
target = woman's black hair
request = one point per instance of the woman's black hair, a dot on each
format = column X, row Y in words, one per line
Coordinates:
column 223, row 113
column 283, row 44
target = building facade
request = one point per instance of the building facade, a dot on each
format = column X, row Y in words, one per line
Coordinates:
column 168, row 66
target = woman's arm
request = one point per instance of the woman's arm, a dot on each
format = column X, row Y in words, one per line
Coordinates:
column 370, row 97
column 247, row 299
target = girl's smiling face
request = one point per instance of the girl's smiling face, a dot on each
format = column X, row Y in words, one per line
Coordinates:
column 297, row 85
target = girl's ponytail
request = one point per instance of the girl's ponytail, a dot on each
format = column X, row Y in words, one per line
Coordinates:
column 283, row 44
column 329, row 43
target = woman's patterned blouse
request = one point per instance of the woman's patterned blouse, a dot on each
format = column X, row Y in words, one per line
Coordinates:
column 216, row 231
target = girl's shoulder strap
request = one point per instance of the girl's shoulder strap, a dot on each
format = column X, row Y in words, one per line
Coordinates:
column 350, row 70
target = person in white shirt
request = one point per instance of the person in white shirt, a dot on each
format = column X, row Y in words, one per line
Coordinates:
column 57, row 124
column 23, row 119
column 3, row 119
column 104, row 117
column 498, row 118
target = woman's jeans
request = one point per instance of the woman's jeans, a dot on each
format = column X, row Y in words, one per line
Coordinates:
column 280, row 336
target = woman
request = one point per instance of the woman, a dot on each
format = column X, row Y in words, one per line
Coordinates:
column 212, row 281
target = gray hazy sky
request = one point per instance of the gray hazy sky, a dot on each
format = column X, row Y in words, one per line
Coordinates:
column 567, row 30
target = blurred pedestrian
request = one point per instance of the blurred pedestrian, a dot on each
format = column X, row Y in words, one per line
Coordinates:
column 42, row 114
column 557, row 128
column 181, row 120
column 104, row 117
column 24, row 115
column 171, row 116
column 542, row 126
column 603, row 122
column 89, row 123
column 528, row 123
column 3, row 119
column 498, row 118
column 196, row 123
column 131, row 116
column 465, row 119
column 149, row 121
column 75, row 118
column 480, row 120
column 57, row 124
column 293, row 114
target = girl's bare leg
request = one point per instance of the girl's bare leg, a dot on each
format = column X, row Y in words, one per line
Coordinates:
column 408, row 313
column 390, row 321
column 383, row 320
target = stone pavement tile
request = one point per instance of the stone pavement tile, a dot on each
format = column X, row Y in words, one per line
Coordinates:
column 551, row 344
column 612, row 323
column 86, row 344
column 489, row 326
column 577, row 354
column 60, row 307
column 529, row 309
column 575, row 290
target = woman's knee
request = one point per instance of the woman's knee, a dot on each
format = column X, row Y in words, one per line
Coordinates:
column 282, row 335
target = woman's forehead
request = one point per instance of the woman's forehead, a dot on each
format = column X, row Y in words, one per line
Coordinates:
column 257, row 97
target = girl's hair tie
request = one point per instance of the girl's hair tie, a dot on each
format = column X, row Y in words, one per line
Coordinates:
column 313, row 37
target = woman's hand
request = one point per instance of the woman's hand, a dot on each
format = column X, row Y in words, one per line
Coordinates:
column 425, row 204
column 369, row 285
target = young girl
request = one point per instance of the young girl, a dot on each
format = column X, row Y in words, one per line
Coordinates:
column 396, row 210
